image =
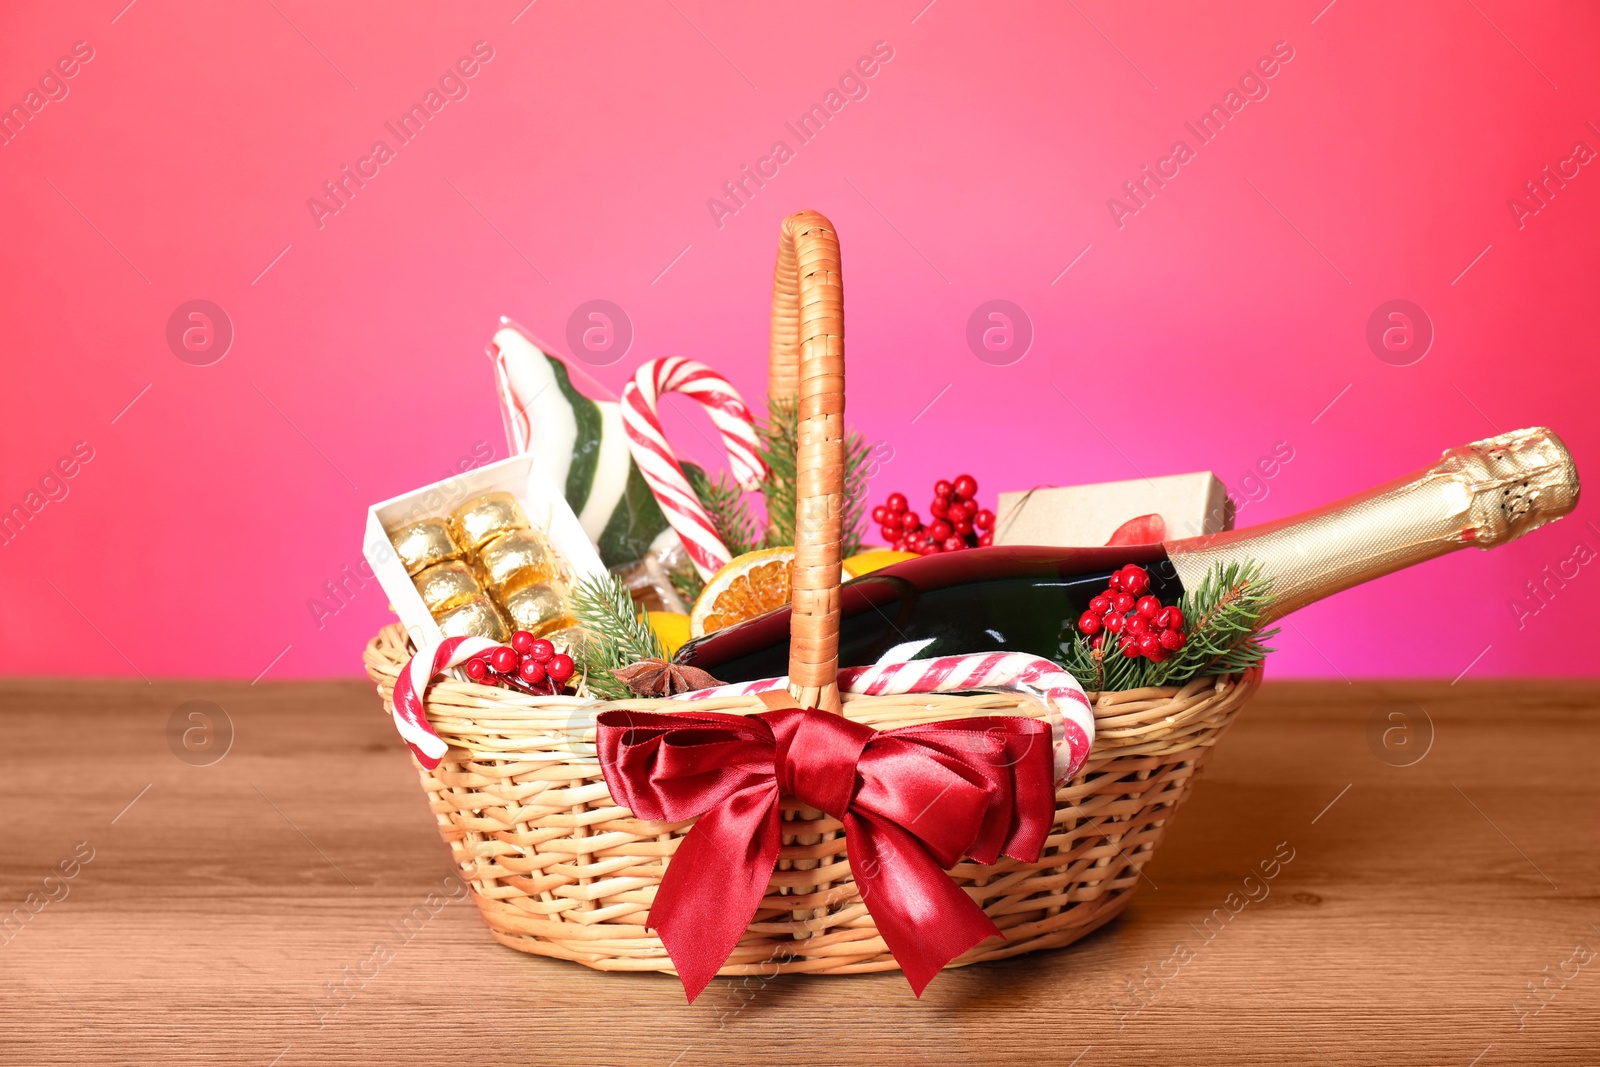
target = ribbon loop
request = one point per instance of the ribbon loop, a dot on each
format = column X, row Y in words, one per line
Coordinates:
column 913, row 801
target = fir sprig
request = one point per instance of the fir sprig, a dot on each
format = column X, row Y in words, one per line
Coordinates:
column 1221, row 622
column 613, row 634
column 727, row 508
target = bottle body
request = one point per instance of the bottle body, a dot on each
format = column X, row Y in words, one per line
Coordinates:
column 999, row 599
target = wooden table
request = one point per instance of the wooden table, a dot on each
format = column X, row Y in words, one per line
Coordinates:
column 1437, row 913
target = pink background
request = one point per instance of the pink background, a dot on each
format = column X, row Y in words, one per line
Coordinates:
column 1223, row 318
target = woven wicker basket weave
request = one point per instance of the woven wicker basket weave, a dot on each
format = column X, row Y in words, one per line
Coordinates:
column 558, row 869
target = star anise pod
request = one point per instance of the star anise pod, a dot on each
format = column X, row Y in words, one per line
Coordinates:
column 663, row 678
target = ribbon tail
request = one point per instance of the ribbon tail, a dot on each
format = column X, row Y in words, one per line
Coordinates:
column 714, row 884
column 926, row 919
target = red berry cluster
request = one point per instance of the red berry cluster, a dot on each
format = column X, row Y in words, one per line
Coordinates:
column 958, row 521
column 530, row 664
column 1127, row 611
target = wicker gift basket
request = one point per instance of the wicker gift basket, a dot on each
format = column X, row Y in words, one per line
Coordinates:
column 559, row 869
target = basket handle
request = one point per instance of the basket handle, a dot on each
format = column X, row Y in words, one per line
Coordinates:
column 807, row 362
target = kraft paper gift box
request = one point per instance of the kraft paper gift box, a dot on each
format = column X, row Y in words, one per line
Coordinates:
column 1084, row 515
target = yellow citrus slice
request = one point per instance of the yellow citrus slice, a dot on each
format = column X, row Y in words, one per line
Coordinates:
column 753, row 584
column 672, row 627
column 876, row 559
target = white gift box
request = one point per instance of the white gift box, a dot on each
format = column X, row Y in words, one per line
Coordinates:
column 521, row 476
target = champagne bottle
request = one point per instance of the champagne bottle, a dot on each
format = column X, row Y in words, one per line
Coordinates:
column 1010, row 599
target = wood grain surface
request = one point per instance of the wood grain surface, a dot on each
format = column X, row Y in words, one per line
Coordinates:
column 273, row 907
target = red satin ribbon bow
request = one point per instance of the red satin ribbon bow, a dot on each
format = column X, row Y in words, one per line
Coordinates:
column 913, row 801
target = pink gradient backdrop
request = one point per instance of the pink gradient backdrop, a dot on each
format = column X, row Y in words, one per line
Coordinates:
column 1222, row 319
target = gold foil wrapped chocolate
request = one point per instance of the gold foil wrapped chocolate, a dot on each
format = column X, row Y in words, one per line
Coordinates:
column 475, row 617
column 424, row 543
column 517, row 559
column 484, row 518
column 447, row 585
column 565, row 637
column 539, row 608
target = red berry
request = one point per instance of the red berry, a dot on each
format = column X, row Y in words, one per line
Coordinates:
column 984, row 519
column 1122, row 602
column 966, row 487
column 1172, row 640
column 1148, row 606
column 1097, row 641
column 928, row 548
column 1137, row 624
column 1148, row 643
column 1135, row 580
column 1100, row 604
column 476, row 669
column 522, row 640
column 503, row 660
column 559, row 668
column 531, row 671
column 1114, row 622
column 1090, row 623
column 1114, row 583
column 910, row 520
column 890, row 532
column 898, row 546
column 1158, row 655
column 985, row 539
column 954, row 544
column 880, row 514
column 1170, row 618
column 1129, row 645
column 939, row 530
column 939, row 507
column 896, row 503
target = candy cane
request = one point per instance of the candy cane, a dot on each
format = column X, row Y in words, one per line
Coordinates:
column 1064, row 698
column 413, row 682
column 660, row 467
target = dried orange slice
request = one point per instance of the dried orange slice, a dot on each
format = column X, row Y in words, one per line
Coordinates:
column 753, row 584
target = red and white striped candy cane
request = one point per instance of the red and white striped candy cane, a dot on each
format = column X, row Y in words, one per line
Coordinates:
column 660, row 467
column 420, row 670
column 1064, row 698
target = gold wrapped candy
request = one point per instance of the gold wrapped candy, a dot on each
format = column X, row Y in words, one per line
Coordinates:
column 564, row 638
column 484, row 518
column 423, row 543
column 447, row 585
column 538, row 608
column 476, row 617
column 517, row 559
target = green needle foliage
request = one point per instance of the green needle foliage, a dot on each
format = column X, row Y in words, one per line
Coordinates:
column 1221, row 620
column 614, row 634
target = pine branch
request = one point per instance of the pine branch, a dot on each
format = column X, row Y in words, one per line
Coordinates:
column 1221, row 623
column 857, row 473
column 613, row 634
column 727, row 508
column 779, row 435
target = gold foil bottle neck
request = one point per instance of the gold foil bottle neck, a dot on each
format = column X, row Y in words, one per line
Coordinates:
column 1485, row 494
column 1518, row 482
